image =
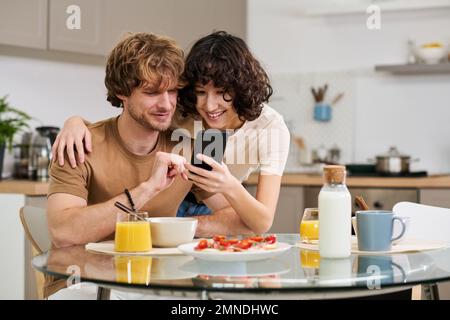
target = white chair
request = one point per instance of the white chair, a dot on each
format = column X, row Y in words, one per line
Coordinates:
column 426, row 222
column 34, row 222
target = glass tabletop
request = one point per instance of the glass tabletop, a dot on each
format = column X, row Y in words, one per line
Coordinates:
column 294, row 270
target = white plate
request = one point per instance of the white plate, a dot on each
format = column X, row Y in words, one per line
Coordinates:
column 210, row 255
column 168, row 268
column 236, row 268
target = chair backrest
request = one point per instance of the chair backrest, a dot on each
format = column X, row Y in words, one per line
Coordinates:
column 34, row 221
column 426, row 222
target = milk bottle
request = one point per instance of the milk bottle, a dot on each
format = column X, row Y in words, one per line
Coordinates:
column 334, row 214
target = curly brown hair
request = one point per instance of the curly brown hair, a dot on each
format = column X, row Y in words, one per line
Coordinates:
column 143, row 59
column 225, row 60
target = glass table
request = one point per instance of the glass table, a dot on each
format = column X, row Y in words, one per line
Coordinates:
column 294, row 274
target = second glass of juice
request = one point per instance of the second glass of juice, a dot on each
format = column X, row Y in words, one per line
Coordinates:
column 309, row 226
column 133, row 233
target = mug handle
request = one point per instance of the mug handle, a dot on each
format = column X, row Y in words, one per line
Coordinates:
column 402, row 221
column 401, row 271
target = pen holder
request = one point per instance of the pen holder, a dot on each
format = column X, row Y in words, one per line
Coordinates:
column 322, row 112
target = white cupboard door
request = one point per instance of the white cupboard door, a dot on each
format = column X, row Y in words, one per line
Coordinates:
column 24, row 23
column 76, row 26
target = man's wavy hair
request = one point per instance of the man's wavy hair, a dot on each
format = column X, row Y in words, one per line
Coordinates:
column 143, row 59
column 225, row 60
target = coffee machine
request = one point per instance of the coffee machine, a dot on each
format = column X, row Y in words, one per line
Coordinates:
column 33, row 155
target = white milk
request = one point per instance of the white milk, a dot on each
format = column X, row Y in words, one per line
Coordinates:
column 335, row 212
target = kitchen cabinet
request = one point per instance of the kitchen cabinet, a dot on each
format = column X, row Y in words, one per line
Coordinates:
column 50, row 24
column 24, row 23
column 376, row 198
column 12, row 247
column 289, row 209
column 435, row 197
column 17, row 276
column 88, row 38
column 104, row 22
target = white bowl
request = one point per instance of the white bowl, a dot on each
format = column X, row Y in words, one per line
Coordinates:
column 171, row 232
column 431, row 55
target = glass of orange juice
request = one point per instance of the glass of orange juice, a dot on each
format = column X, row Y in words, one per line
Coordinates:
column 310, row 262
column 309, row 258
column 309, row 226
column 133, row 234
column 133, row 269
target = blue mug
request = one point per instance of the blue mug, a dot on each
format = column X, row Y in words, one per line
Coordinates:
column 322, row 112
column 379, row 268
column 375, row 228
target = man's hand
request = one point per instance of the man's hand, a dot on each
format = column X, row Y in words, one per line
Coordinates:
column 166, row 167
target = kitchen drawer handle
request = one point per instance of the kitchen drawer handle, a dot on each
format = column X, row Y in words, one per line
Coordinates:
column 378, row 205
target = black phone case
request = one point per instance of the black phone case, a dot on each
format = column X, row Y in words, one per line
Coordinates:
column 211, row 143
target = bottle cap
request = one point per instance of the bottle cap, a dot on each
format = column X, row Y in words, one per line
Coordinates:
column 334, row 174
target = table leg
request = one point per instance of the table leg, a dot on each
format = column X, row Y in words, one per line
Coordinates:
column 103, row 293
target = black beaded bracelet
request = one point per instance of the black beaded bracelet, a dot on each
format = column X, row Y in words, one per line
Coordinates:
column 127, row 192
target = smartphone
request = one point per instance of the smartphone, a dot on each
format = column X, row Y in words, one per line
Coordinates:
column 212, row 143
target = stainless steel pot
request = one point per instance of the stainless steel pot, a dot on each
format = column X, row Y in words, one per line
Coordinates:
column 393, row 162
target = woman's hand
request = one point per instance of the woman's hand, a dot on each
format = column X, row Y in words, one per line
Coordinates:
column 70, row 139
column 218, row 180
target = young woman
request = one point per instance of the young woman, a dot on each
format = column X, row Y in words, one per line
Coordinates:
column 226, row 89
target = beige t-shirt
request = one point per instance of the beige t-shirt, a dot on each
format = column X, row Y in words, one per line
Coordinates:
column 259, row 144
column 111, row 167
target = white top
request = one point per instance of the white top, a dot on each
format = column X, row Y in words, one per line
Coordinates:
column 259, row 144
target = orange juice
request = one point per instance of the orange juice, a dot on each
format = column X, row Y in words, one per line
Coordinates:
column 309, row 230
column 309, row 258
column 133, row 269
column 133, row 236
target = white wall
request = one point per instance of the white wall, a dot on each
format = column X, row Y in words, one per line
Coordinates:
column 411, row 112
column 53, row 86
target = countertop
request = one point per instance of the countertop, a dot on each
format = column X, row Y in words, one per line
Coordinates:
column 299, row 179
column 26, row 187
column 34, row 188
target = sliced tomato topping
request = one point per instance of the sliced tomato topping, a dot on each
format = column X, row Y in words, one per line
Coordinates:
column 244, row 244
column 271, row 239
column 218, row 238
column 202, row 244
column 224, row 243
column 256, row 239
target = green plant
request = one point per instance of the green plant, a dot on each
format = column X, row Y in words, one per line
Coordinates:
column 11, row 122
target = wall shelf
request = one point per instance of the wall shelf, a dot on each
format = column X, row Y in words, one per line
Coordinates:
column 415, row 68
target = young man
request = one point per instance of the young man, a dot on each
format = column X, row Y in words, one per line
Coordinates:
column 132, row 152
